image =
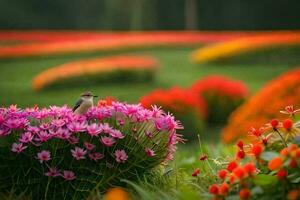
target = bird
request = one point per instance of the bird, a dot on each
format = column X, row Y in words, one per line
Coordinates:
column 85, row 102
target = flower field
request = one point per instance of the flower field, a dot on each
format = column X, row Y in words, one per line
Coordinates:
column 163, row 127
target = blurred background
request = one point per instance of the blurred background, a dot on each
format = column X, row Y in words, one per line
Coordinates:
column 203, row 60
column 150, row 14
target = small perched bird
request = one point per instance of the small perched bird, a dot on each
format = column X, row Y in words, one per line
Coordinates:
column 84, row 103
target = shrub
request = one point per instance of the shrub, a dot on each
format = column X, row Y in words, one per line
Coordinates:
column 222, row 95
column 261, row 107
column 187, row 107
column 55, row 154
column 238, row 46
column 121, row 67
column 268, row 168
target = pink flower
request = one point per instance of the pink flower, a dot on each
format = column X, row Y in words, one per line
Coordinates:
column 18, row 148
column 121, row 156
column 44, row 126
column 149, row 152
column 43, row 156
column 26, row 137
column 78, row 153
column 4, row 132
column 73, row 140
column 63, row 133
column 43, row 136
column 89, row 146
column 290, row 110
column 53, row 172
column 96, row 156
column 148, row 133
column 167, row 123
column 116, row 134
column 94, row 129
column 77, row 127
column 107, row 141
column 105, row 127
column 58, row 122
column 16, row 123
column 69, row 175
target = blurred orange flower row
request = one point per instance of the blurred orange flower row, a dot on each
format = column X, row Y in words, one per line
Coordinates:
column 62, row 42
column 246, row 44
column 262, row 107
column 96, row 66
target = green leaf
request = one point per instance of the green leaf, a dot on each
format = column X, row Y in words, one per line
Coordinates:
column 269, row 155
column 294, row 178
column 265, row 180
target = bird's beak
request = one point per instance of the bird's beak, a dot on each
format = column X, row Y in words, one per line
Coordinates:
column 95, row 96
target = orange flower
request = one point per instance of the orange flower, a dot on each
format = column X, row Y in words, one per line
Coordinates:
column 93, row 67
column 116, row 194
column 275, row 163
column 258, row 110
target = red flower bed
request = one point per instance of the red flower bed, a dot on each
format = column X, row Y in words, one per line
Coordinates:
column 263, row 105
column 221, row 94
column 187, row 107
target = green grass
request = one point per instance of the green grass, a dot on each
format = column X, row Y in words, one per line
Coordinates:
column 175, row 69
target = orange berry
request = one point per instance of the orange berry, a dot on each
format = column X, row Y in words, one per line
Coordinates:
column 257, row 149
column 196, row 172
column 222, row 173
column 284, row 152
column 240, row 144
column 224, row 189
column 250, row 168
column 281, row 174
column 274, row 123
column 287, row 124
column 231, row 166
column 293, row 163
column 245, row 194
column 214, row 189
column 293, row 194
column 240, row 154
column 239, row 172
column 275, row 163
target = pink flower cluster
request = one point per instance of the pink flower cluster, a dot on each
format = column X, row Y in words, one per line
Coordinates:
column 88, row 137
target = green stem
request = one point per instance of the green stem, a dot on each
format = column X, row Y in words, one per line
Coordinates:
column 285, row 144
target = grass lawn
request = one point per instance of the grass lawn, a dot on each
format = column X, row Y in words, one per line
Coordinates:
column 175, row 69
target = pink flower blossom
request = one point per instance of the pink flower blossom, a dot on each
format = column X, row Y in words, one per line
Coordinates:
column 4, row 132
column 96, row 156
column 44, row 156
column 43, row 136
column 89, row 146
column 58, row 123
column 94, row 129
column 149, row 152
column 78, row 153
column 53, row 172
column 148, row 133
column 16, row 123
column 63, row 133
column 105, row 127
column 107, row 141
column 73, row 140
column 18, row 148
column 26, row 137
column 116, row 134
column 69, row 175
column 121, row 156
column 33, row 129
column 44, row 126
column 167, row 123
column 77, row 127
